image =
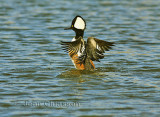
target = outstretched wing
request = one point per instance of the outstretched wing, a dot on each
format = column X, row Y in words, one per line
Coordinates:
column 73, row 47
column 95, row 48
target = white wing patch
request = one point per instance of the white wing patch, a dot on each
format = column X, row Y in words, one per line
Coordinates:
column 81, row 52
column 98, row 47
column 79, row 23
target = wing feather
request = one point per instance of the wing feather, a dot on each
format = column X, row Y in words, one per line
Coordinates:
column 72, row 47
column 96, row 47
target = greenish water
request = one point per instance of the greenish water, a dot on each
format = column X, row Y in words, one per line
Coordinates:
column 38, row 79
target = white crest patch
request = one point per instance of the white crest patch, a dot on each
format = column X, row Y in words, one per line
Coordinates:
column 79, row 23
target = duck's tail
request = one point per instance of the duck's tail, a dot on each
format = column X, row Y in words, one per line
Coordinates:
column 89, row 65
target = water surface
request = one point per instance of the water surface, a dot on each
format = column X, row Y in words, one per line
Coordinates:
column 35, row 70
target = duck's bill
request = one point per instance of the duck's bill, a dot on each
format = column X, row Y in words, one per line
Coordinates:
column 68, row 28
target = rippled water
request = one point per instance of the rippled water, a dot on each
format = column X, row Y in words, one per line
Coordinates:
column 35, row 70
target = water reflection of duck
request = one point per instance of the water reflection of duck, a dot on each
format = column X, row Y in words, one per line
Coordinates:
column 84, row 53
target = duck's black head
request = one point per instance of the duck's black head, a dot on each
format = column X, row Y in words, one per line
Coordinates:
column 78, row 25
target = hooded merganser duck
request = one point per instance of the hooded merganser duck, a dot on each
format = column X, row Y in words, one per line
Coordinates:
column 81, row 52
